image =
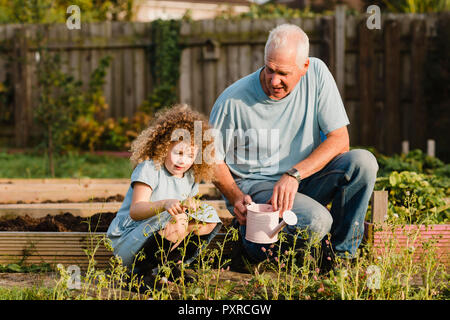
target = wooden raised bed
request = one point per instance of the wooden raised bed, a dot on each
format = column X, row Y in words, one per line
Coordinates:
column 68, row 247
column 413, row 237
column 75, row 190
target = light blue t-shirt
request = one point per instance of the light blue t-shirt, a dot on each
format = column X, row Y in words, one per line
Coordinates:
column 128, row 236
column 164, row 186
column 261, row 138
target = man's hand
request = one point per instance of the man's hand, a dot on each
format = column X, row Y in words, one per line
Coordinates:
column 240, row 208
column 283, row 194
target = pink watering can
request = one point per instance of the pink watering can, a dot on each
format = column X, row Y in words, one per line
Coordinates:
column 262, row 223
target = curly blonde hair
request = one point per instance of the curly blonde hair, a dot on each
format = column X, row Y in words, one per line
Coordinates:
column 155, row 141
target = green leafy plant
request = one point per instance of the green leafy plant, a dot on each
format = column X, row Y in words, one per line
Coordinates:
column 417, row 6
column 60, row 100
column 165, row 56
column 51, row 11
column 414, row 199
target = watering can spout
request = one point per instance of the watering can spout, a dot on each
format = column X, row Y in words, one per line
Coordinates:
column 289, row 218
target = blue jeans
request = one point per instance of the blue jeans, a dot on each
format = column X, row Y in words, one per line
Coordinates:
column 347, row 182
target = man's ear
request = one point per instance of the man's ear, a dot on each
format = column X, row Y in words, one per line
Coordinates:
column 305, row 67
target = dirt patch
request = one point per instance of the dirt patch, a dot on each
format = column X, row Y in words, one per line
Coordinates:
column 65, row 222
column 28, row 280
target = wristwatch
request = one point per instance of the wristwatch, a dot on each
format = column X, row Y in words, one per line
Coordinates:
column 294, row 173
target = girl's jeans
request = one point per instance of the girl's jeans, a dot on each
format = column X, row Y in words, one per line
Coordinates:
column 347, row 182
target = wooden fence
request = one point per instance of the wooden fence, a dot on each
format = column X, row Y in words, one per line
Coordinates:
column 378, row 72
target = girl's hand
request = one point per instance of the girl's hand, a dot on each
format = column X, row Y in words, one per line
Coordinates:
column 173, row 206
column 191, row 204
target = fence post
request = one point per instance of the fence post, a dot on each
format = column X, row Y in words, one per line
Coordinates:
column 340, row 49
column 392, row 63
column 379, row 206
column 366, row 79
column 21, row 78
column 405, row 146
column 418, row 58
column 431, row 148
column 327, row 48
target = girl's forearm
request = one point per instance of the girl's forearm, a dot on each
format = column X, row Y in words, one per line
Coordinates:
column 144, row 209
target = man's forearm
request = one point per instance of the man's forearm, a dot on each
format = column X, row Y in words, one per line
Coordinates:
column 335, row 144
column 225, row 183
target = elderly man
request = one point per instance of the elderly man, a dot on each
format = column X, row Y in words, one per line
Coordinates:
column 270, row 148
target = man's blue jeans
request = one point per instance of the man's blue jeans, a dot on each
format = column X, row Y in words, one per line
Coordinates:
column 347, row 182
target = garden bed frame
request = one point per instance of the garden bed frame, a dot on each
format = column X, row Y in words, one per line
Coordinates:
column 69, row 248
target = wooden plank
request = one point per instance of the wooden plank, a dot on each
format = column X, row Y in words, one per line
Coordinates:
column 38, row 210
column 392, row 86
column 118, row 76
column 245, row 62
column 129, row 107
column 22, row 88
column 76, row 256
column 233, row 56
column 74, row 54
column 340, row 16
column 222, row 62
column 419, row 114
column 13, row 193
column 108, row 86
column 366, row 81
column 379, row 206
column 3, row 56
column 196, row 70
column 327, row 49
column 185, row 67
column 209, row 70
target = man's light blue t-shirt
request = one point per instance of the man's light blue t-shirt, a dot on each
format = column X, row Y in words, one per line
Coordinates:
column 261, row 138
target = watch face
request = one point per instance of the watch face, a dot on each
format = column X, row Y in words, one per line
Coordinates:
column 294, row 172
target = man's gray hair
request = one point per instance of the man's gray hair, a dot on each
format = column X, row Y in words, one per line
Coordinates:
column 279, row 36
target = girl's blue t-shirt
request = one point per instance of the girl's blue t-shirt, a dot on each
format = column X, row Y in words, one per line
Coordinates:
column 261, row 138
column 164, row 186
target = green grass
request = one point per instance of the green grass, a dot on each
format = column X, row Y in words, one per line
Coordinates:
column 71, row 165
column 34, row 293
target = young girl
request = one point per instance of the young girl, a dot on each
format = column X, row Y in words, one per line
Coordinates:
column 154, row 214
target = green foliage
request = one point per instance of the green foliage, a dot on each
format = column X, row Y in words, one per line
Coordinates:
column 165, row 56
column 269, row 11
column 414, row 199
column 418, row 186
column 51, row 11
column 415, row 160
column 33, row 268
column 417, row 6
column 60, row 101
column 70, row 165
